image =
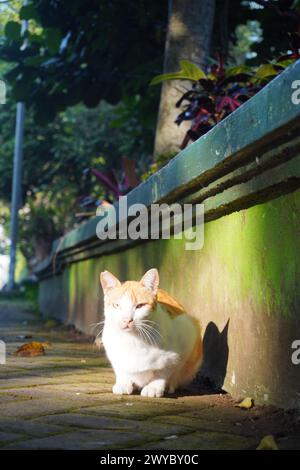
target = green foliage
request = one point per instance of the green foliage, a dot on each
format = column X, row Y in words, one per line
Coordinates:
column 42, row 220
column 56, row 155
column 265, row 71
column 21, row 266
column 188, row 71
column 9, row 12
column 28, row 12
column 212, row 99
column 160, row 161
column 276, row 19
column 83, row 52
column 12, row 30
column 246, row 37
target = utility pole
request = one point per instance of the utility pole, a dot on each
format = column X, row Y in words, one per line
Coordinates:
column 16, row 181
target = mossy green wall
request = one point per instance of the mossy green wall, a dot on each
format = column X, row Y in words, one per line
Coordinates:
column 247, row 273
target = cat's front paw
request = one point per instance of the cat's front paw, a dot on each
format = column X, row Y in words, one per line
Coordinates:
column 122, row 389
column 154, row 389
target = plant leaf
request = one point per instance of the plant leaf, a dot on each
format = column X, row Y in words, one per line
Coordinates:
column 28, row 12
column 53, row 40
column 207, row 84
column 189, row 71
column 239, row 69
column 34, row 61
column 265, row 70
column 12, row 30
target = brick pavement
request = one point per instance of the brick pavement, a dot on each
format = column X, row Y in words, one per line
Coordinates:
column 63, row 400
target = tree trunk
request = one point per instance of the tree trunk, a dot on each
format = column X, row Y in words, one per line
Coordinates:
column 188, row 37
column 220, row 38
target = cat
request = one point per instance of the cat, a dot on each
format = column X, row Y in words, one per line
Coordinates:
column 152, row 343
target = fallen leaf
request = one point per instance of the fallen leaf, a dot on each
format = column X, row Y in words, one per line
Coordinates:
column 246, row 404
column 267, row 443
column 30, row 350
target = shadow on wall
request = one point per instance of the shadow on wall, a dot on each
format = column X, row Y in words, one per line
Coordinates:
column 211, row 376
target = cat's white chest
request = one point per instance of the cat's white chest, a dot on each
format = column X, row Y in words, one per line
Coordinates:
column 132, row 355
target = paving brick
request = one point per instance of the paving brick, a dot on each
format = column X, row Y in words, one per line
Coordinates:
column 133, row 409
column 237, row 427
column 6, row 437
column 289, row 443
column 206, row 440
column 29, row 428
column 113, row 423
column 63, row 400
column 9, row 397
column 85, row 440
column 44, row 406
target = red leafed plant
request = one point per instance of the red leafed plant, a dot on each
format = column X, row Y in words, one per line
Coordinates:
column 215, row 95
column 114, row 187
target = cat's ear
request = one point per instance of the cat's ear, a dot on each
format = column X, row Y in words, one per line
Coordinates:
column 150, row 280
column 108, row 281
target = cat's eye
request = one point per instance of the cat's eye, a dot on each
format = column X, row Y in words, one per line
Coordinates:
column 140, row 305
column 116, row 305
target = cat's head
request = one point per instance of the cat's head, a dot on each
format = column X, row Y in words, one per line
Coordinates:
column 127, row 305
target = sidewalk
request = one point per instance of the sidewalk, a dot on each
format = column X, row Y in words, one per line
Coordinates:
column 63, row 400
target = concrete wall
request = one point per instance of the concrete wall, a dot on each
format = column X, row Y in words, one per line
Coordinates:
column 244, row 284
column 247, row 274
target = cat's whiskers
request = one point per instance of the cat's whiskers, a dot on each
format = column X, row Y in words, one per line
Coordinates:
column 147, row 324
column 100, row 333
column 148, row 337
column 101, row 324
column 148, row 332
column 142, row 334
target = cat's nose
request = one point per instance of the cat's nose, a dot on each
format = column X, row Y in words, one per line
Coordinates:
column 127, row 323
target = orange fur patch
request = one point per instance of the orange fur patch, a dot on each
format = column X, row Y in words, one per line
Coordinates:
column 194, row 361
column 134, row 290
column 173, row 307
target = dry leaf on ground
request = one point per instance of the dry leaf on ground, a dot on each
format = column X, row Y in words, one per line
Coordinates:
column 267, row 443
column 246, row 404
column 31, row 349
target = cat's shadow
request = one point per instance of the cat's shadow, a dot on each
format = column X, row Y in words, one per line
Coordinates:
column 210, row 378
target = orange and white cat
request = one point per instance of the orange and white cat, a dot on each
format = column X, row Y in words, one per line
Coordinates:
column 152, row 344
